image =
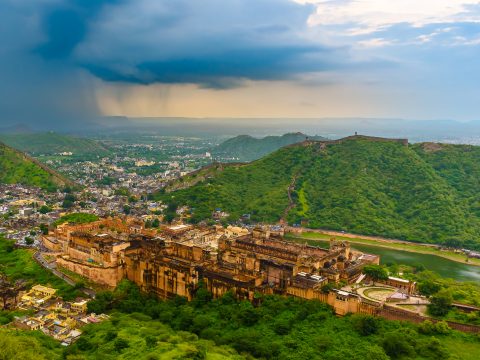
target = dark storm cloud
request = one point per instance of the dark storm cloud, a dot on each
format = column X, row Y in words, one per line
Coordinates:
column 54, row 51
column 44, row 93
column 211, row 43
column 220, row 70
column 66, row 26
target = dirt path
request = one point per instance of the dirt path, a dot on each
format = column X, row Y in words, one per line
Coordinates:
column 291, row 203
column 357, row 236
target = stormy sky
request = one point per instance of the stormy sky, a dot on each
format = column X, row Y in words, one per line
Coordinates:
column 70, row 61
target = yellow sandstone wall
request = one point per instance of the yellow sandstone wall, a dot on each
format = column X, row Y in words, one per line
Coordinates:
column 104, row 276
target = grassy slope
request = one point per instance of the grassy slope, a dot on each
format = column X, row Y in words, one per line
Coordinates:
column 76, row 218
column 17, row 168
column 146, row 339
column 380, row 188
column 259, row 189
column 360, row 186
column 52, row 143
column 19, row 264
column 27, row 345
column 99, row 342
column 294, row 329
column 459, row 165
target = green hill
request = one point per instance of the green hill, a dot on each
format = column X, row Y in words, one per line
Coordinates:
column 362, row 185
column 18, row 168
column 51, row 143
column 248, row 148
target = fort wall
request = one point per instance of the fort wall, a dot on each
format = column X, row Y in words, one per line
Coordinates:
column 110, row 276
column 352, row 137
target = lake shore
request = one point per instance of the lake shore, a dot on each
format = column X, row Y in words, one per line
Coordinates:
column 429, row 249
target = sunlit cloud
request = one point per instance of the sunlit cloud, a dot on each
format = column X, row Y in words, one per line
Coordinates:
column 367, row 16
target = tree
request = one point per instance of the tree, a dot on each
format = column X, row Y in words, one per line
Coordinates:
column 366, row 325
column 44, row 229
column 327, row 287
column 396, row 345
column 44, row 209
column 126, row 209
column 428, row 287
column 67, row 204
column 151, row 341
column 70, row 197
column 28, row 240
column 440, row 303
column 453, row 243
column 9, row 290
column 376, row 272
column 202, row 295
column 169, row 217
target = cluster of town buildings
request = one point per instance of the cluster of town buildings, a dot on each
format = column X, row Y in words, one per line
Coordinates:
column 24, row 209
column 54, row 317
column 136, row 166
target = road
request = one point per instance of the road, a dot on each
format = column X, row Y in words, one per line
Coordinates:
column 52, row 267
column 300, row 230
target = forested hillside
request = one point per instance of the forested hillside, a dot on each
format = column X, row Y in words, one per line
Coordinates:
column 18, row 168
column 143, row 327
column 421, row 193
column 51, row 143
column 248, row 148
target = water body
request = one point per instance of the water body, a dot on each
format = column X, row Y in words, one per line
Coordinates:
column 446, row 268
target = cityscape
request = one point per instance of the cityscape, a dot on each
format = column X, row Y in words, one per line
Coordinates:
column 269, row 179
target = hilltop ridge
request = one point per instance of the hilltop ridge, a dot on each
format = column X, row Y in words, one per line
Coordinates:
column 309, row 141
column 51, row 143
column 248, row 148
column 17, row 167
column 360, row 184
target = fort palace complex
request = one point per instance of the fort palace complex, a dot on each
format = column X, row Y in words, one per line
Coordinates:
column 175, row 259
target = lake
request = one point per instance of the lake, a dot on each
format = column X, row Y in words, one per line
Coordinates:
column 444, row 267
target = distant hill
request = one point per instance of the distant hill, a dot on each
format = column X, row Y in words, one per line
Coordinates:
column 51, row 143
column 248, row 148
column 18, row 168
column 424, row 192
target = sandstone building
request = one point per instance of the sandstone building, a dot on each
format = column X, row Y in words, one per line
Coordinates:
column 173, row 260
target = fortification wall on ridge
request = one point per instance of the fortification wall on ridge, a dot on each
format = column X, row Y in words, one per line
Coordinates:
column 352, row 137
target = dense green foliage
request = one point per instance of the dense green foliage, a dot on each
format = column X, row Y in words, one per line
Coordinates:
column 440, row 303
column 459, row 166
column 18, row 264
column 360, row 186
column 144, row 327
column 290, row 328
column 122, row 337
column 51, row 143
column 27, row 345
column 376, row 272
column 258, row 189
column 137, row 336
column 76, row 218
column 248, row 148
column 16, row 168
